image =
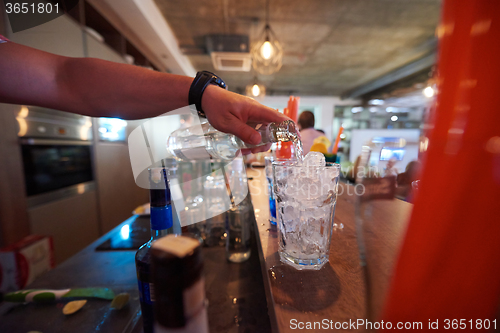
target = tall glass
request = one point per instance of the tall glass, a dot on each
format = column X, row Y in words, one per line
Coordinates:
column 381, row 221
column 306, row 197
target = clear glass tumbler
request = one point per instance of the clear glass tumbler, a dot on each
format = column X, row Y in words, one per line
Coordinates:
column 306, row 197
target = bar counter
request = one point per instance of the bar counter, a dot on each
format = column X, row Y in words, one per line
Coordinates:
column 237, row 293
column 337, row 292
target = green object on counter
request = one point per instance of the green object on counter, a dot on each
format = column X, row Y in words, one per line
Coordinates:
column 47, row 295
column 332, row 158
column 120, row 301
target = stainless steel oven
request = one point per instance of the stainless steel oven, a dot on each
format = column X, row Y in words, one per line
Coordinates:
column 57, row 155
column 62, row 198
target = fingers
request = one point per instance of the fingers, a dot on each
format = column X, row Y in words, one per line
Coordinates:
column 261, row 149
column 246, row 151
column 255, row 150
column 243, row 131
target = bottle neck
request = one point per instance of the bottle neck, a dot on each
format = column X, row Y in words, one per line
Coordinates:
column 161, row 204
column 284, row 132
column 155, row 234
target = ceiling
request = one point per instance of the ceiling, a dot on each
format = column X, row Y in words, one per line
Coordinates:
column 330, row 46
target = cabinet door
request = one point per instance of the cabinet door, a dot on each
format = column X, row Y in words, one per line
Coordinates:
column 61, row 36
column 96, row 49
column 72, row 222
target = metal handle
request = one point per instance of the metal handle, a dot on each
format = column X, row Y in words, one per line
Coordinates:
column 39, row 142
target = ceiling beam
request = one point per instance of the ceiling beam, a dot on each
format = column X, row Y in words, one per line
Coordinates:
column 414, row 67
column 144, row 18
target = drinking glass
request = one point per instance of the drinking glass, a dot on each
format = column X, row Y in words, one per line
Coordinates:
column 381, row 221
column 306, row 196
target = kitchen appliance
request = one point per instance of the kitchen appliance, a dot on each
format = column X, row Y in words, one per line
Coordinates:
column 59, row 178
column 56, row 152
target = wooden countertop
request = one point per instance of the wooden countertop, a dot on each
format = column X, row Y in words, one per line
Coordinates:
column 337, row 292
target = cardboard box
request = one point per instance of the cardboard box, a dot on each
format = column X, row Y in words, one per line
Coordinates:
column 22, row 262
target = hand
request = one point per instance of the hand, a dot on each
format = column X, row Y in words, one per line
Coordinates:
column 230, row 112
column 255, row 150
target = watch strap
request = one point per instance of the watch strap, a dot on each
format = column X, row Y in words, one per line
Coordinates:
column 200, row 83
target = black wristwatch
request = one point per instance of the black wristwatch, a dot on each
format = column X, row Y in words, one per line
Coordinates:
column 200, row 83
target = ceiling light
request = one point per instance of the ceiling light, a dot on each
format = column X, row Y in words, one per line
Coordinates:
column 255, row 90
column 342, row 136
column 357, row 109
column 373, row 109
column 267, row 53
column 391, row 109
column 266, row 50
column 394, row 118
column 428, row 92
column 376, row 102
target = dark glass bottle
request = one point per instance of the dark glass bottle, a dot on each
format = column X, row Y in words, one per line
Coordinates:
column 180, row 305
column 161, row 225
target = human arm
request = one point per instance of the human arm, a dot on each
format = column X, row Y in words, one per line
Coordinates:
column 100, row 88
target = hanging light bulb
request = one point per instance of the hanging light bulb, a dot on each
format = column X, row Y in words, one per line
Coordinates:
column 267, row 53
column 266, row 50
column 255, row 90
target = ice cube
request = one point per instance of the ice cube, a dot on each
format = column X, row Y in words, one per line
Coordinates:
column 288, row 213
column 314, row 158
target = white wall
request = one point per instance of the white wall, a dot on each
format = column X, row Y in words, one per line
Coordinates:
column 62, row 36
column 322, row 107
column 360, row 137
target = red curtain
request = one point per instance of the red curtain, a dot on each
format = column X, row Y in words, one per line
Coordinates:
column 449, row 265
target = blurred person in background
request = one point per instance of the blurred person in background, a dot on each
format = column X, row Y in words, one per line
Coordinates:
column 390, row 169
column 307, row 131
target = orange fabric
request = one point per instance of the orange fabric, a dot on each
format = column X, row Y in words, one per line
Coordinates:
column 292, row 109
column 285, row 149
column 449, row 265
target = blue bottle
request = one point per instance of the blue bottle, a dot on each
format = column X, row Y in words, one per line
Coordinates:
column 161, row 225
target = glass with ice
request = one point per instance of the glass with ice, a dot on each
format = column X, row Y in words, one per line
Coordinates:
column 306, row 194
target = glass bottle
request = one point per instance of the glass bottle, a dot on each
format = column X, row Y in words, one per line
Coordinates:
column 181, row 305
column 194, row 202
column 205, row 142
column 215, row 193
column 161, row 225
column 238, row 217
column 238, row 233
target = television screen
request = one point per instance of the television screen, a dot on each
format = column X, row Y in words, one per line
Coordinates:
column 387, row 153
